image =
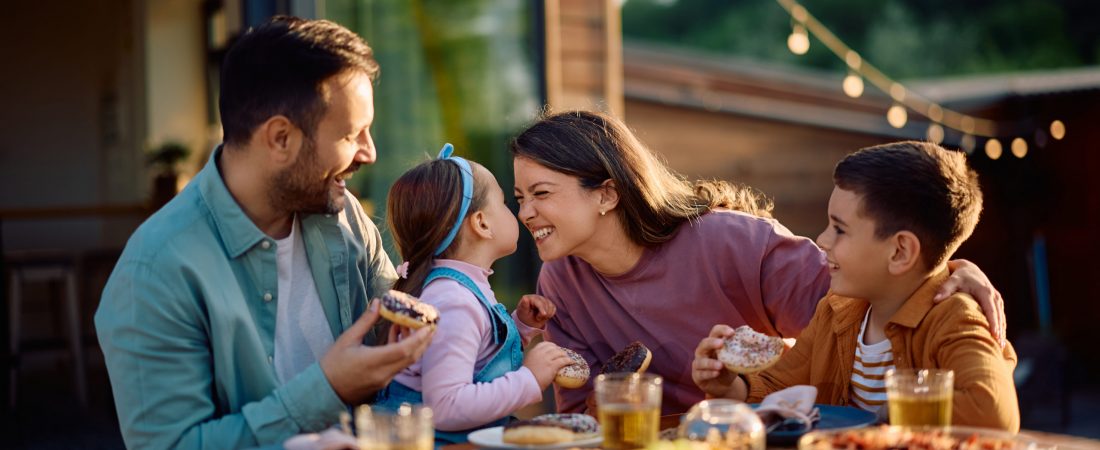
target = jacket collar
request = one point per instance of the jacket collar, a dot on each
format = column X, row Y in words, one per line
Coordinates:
column 849, row 311
column 913, row 311
column 237, row 231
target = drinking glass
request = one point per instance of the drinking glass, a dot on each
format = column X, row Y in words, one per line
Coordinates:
column 629, row 409
column 918, row 397
column 407, row 428
column 724, row 423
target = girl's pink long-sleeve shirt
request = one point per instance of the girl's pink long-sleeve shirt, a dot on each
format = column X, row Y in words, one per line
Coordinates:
column 462, row 346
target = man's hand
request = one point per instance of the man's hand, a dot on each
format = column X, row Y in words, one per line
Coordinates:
column 357, row 371
column 535, row 310
column 966, row 277
column 706, row 371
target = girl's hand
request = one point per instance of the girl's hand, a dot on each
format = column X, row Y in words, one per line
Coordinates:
column 706, row 371
column 544, row 360
column 535, row 310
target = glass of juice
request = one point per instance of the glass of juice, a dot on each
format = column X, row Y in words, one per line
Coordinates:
column 409, row 427
column 629, row 409
column 917, row 397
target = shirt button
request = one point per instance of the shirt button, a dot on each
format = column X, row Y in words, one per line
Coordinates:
column 271, row 359
column 267, row 296
column 265, row 244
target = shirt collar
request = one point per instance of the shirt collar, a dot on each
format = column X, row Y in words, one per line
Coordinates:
column 479, row 275
column 237, row 230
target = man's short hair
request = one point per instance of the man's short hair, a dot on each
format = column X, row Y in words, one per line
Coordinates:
column 915, row 186
column 278, row 69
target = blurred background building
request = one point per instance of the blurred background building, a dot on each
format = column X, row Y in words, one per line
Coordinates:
column 111, row 106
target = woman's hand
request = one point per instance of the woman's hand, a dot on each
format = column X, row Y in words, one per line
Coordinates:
column 535, row 310
column 966, row 277
column 706, row 371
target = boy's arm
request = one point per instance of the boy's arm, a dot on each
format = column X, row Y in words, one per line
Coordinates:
column 793, row 367
column 984, row 394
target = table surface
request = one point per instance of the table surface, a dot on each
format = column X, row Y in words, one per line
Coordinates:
column 1063, row 441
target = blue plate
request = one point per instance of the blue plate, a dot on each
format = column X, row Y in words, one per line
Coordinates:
column 832, row 418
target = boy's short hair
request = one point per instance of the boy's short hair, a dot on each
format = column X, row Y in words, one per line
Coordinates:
column 915, row 186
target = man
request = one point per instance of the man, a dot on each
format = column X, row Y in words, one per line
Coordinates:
column 235, row 316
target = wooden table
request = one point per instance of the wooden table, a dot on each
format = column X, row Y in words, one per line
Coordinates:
column 1062, row 441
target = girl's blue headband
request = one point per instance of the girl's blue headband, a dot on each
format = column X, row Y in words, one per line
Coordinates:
column 467, row 194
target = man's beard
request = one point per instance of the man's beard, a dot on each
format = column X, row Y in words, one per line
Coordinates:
column 297, row 190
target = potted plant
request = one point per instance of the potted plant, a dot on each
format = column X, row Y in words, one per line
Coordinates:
column 165, row 160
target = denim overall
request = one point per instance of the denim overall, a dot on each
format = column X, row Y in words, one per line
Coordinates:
column 508, row 358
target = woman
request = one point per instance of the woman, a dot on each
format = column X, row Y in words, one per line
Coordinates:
column 632, row 251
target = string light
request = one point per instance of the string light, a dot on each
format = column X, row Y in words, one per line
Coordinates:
column 853, row 85
column 798, row 42
column 993, row 149
column 967, row 143
column 1019, row 147
column 861, row 71
column 897, row 116
column 1057, row 130
column 935, row 133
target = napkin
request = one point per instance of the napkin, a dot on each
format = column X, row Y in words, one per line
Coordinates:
column 791, row 409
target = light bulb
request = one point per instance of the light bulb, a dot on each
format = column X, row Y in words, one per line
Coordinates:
column 935, row 112
column 897, row 116
column 935, row 133
column 853, row 85
column 993, row 148
column 967, row 143
column 798, row 41
column 1019, row 147
column 1057, row 130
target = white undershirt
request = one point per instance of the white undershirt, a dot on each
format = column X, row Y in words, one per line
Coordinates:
column 302, row 333
column 869, row 371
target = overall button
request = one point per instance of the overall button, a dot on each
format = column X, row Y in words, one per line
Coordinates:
column 265, row 244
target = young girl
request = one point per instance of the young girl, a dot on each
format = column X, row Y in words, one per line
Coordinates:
column 450, row 224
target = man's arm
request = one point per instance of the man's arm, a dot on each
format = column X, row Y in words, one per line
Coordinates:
column 156, row 343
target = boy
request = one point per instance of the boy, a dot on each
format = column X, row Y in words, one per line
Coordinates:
column 896, row 214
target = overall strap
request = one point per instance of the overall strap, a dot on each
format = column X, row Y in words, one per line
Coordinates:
column 500, row 329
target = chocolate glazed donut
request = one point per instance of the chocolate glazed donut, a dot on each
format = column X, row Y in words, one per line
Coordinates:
column 634, row 358
column 407, row 311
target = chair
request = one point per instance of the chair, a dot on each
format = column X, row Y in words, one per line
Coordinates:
column 46, row 267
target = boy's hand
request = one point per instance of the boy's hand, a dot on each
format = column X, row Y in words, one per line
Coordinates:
column 706, row 371
column 544, row 360
column 535, row 310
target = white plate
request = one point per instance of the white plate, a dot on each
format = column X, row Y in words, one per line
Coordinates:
column 491, row 438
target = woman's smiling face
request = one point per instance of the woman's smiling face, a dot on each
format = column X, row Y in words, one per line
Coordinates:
column 560, row 214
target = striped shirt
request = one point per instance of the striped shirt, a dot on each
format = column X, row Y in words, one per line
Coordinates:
column 869, row 372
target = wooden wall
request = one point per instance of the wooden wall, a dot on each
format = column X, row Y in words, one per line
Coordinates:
column 584, row 55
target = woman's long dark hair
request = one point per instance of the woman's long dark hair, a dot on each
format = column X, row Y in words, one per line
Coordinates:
column 653, row 200
column 421, row 209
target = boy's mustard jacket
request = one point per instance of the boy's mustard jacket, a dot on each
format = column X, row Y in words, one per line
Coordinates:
column 953, row 334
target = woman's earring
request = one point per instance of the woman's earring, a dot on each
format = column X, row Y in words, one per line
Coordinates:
column 603, row 212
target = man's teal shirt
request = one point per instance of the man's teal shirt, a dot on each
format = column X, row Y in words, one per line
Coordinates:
column 187, row 321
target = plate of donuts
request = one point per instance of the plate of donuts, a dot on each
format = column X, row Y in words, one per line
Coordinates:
column 545, row 432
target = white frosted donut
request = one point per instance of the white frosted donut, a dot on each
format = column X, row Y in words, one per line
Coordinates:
column 574, row 375
column 748, row 351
